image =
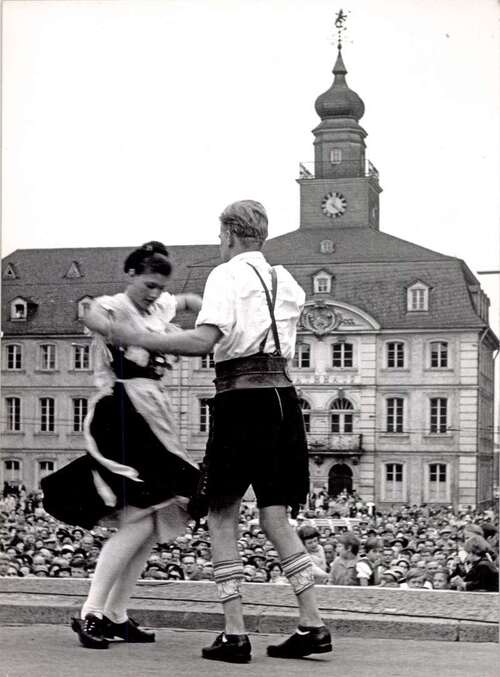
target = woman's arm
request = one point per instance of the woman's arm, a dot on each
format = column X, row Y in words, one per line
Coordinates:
column 190, row 302
column 97, row 320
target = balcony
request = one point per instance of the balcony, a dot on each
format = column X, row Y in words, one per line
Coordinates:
column 344, row 169
column 336, row 444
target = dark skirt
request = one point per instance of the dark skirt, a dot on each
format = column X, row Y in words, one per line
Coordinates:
column 122, row 435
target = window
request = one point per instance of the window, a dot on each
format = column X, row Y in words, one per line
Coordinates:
column 418, row 297
column 335, row 156
column 438, row 482
column 341, row 416
column 45, row 468
column 322, row 283
column 342, row 355
column 47, row 357
column 204, row 421
column 207, row 361
column 439, row 415
column 395, row 355
column 14, row 357
column 439, row 354
column 83, row 306
column 394, row 420
column 47, row 415
column 80, row 408
column 81, row 357
column 393, row 490
column 302, row 358
column 326, row 247
column 13, row 414
column 12, row 471
column 306, row 414
column 18, row 310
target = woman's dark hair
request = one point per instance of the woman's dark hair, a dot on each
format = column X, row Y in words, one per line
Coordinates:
column 152, row 257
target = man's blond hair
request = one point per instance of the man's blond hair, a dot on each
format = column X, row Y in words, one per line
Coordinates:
column 247, row 219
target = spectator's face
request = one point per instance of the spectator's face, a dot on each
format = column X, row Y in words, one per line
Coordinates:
column 311, row 544
column 176, row 553
column 189, row 564
column 387, row 556
column 87, row 542
column 208, row 572
column 261, row 539
column 260, row 576
column 432, row 566
column 373, row 555
column 166, row 556
column 40, row 574
column 19, row 546
column 78, row 572
column 12, row 571
column 38, row 559
column 417, row 582
column 440, row 581
column 24, row 570
column 329, row 552
column 404, row 566
column 154, row 559
column 389, row 582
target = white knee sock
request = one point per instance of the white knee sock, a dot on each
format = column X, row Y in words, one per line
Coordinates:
column 115, row 557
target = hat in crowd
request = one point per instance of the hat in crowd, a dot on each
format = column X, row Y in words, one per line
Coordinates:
column 473, row 529
column 402, row 540
column 489, row 530
column 392, row 573
column 253, row 559
column 201, row 544
column 67, row 548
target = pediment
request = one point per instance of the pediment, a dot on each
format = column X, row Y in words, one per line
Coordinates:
column 325, row 317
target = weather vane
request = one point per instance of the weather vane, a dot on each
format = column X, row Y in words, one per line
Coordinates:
column 340, row 20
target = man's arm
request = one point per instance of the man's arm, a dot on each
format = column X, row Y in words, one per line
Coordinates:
column 199, row 341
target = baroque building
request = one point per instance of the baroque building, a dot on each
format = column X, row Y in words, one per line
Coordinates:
column 394, row 358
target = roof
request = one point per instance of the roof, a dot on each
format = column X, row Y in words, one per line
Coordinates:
column 371, row 270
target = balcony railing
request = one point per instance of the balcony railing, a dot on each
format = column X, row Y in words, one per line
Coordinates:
column 343, row 169
column 340, row 443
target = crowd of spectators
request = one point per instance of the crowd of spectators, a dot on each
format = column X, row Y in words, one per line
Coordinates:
column 349, row 541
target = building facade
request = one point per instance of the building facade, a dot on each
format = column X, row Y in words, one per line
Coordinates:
column 394, row 358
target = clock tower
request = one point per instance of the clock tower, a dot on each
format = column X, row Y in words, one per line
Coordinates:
column 344, row 190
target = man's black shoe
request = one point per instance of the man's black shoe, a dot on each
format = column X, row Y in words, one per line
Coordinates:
column 229, row 648
column 303, row 642
column 90, row 631
column 129, row 630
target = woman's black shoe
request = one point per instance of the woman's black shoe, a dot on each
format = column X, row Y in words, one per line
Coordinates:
column 90, row 631
column 129, row 630
column 229, row 648
column 303, row 642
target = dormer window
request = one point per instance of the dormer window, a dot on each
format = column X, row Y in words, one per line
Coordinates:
column 418, row 297
column 326, row 247
column 9, row 272
column 322, row 283
column 19, row 309
column 73, row 271
column 83, row 306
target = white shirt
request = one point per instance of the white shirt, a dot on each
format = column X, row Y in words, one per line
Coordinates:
column 235, row 302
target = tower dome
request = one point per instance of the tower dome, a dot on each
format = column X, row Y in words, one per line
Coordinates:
column 339, row 101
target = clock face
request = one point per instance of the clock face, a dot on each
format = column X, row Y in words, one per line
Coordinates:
column 334, row 204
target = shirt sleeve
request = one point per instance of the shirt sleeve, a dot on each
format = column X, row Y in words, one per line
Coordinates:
column 218, row 306
column 363, row 570
column 166, row 305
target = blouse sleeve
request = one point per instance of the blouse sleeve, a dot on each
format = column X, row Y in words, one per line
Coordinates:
column 218, row 306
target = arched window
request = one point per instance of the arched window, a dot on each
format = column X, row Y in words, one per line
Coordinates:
column 341, row 416
column 12, row 471
column 417, row 297
column 438, row 483
column 306, row 414
column 394, row 486
column 83, row 306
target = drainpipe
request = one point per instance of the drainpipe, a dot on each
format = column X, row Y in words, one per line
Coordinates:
column 481, row 339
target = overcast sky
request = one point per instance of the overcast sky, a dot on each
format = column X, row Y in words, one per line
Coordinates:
column 125, row 121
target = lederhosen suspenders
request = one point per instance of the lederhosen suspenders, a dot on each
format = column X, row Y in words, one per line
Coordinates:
column 260, row 370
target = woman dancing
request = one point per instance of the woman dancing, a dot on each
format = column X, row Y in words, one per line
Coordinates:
column 140, row 468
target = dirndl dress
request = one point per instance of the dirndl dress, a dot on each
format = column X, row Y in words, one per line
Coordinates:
column 138, row 463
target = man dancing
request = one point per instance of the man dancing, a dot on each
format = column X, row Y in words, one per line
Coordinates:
column 249, row 313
